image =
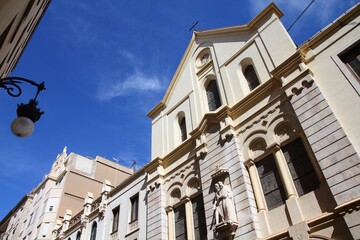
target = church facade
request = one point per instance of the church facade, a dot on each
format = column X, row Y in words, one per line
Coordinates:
column 255, row 138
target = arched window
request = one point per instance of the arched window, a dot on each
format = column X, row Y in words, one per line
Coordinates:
column 78, row 235
column 197, row 216
column 251, row 77
column 93, row 231
column 182, row 125
column 213, row 96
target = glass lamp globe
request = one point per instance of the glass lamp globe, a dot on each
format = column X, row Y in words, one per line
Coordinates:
column 22, row 127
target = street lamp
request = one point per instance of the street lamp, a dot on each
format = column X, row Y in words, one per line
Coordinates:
column 29, row 113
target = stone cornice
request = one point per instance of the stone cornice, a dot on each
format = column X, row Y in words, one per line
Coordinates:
column 289, row 65
column 328, row 31
column 270, row 9
column 156, row 110
column 179, row 151
column 129, row 180
column 259, row 93
column 210, row 118
column 215, row 117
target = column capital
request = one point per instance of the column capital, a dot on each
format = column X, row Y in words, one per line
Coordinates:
column 249, row 163
column 276, row 147
column 185, row 199
column 169, row 209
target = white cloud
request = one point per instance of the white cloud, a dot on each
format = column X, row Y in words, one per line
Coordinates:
column 138, row 82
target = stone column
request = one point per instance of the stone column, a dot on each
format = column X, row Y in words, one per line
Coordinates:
column 189, row 219
column 171, row 222
column 254, row 177
column 284, row 173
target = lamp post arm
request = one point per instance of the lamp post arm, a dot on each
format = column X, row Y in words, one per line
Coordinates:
column 11, row 85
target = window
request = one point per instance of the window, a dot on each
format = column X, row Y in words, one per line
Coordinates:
column 78, row 235
column 293, row 156
column 301, row 169
column 182, row 124
column 213, row 96
column 134, row 208
column 45, row 230
column 351, row 58
column 37, row 232
column 199, row 218
column 270, row 182
column 51, row 208
column 251, row 77
column 93, row 231
column 31, row 219
column 179, row 217
column 115, row 223
column 180, row 223
column 44, row 207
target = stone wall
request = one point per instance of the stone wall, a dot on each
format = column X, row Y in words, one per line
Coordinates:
column 338, row 160
column 225, row 154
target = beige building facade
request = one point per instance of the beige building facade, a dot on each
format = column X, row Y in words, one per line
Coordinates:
column 119, row 213
column 71, row 177
column 19, row 19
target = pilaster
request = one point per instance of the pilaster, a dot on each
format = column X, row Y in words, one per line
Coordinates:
column 157, row 227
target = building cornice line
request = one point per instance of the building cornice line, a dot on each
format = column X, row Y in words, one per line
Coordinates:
column 332, row 27
column 271, row 8
column 216, row 117
column 248, row 102
column 289, row 65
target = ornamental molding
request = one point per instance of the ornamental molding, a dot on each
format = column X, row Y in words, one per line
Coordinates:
column 262, row 118
column 181, row 173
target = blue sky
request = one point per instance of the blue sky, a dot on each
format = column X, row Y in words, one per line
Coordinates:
column 106, row 64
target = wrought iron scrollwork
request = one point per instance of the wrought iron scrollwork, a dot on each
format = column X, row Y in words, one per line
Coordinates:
column 12, row 87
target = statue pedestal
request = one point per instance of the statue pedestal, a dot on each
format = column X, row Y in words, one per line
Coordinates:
column 225, row 230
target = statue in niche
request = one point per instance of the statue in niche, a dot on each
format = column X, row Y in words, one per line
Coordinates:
column 223, row 205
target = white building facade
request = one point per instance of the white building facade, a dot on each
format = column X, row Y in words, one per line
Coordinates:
column 255, row 138
column 270, row 120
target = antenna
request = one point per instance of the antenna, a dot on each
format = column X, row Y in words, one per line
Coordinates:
column 133, row 166
column 133, row 162
column 193, row 25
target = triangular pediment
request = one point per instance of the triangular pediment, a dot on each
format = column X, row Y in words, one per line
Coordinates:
column 184, row 74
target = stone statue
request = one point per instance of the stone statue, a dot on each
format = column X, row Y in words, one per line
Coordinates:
column 223, row 205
